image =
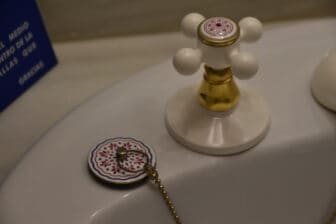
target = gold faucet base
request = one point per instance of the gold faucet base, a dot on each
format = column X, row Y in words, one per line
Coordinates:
column 218, row 91
column 200, row 130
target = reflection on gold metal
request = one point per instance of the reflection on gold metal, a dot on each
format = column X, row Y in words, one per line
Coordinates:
column 218, row 43
column 218, row 91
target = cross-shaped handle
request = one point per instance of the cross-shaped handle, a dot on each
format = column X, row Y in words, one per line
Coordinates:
column 218, row 45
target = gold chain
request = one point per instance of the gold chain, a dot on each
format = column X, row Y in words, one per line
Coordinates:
column 154, row 176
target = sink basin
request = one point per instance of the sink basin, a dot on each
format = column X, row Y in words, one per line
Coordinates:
column 293, row 186
column 288, row 178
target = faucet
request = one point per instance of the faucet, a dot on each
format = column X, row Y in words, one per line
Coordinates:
column 226, row 119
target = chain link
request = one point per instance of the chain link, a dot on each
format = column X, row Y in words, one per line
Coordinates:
column 154, row 176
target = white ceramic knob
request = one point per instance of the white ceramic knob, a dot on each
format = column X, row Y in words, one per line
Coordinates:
column 244, row 65
column 250, row 29
column 324, row 81
column 190, row 23
column 187, row 61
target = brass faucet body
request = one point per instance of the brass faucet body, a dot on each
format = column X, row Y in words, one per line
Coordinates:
column 218, row 91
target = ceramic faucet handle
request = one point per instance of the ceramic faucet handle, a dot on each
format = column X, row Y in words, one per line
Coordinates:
column 250, row 29
column 218, row 45
column 190, row 23
column 187, row 61
column 244, row 65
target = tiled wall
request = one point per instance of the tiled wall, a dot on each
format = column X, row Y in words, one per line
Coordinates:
column 73, row 19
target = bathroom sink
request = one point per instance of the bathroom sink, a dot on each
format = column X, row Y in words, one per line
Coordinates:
column 288, row 178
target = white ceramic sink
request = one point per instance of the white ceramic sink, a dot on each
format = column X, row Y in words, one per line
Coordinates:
column 289, row 178
column 294, row 186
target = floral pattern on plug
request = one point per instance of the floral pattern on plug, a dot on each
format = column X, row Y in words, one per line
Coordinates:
column 104, row 164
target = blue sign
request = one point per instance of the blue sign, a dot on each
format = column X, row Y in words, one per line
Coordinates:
column 25, row 50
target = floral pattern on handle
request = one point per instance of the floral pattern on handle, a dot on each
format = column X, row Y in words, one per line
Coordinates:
column 219, row 27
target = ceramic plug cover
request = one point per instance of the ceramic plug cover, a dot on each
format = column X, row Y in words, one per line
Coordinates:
column 103, row 161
